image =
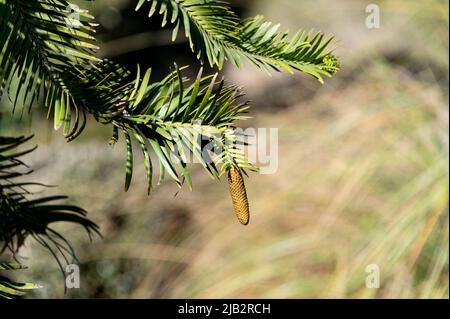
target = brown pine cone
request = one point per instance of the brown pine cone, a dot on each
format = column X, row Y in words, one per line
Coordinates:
column 239, row 195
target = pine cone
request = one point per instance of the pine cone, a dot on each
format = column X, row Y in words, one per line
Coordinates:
column 239, row 196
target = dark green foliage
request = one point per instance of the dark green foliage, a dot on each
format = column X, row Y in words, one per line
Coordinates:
column 24, row 215
column 217, row 34
column 42, row 50
column 10, row 289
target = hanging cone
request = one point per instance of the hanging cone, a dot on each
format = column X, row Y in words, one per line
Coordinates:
column 239, row 196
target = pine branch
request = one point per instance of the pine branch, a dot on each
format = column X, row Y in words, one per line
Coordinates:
column 10, row 289
column 168, row 118
column 164, row 116
column 160, row 114
column 38, row 44
column 22, row 216
column 217, row 34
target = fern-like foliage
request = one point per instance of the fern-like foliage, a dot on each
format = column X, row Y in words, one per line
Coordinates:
column 176, row 121
column 171, row 118
column 154, row 114
column 38, row 45
column 10, row 289
column 23, row 215
column 40, row 49
column 217, row 34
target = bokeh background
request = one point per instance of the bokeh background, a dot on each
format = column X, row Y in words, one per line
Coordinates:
column 363, row 170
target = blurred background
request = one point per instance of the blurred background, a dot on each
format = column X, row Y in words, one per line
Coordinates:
column 363, row 170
